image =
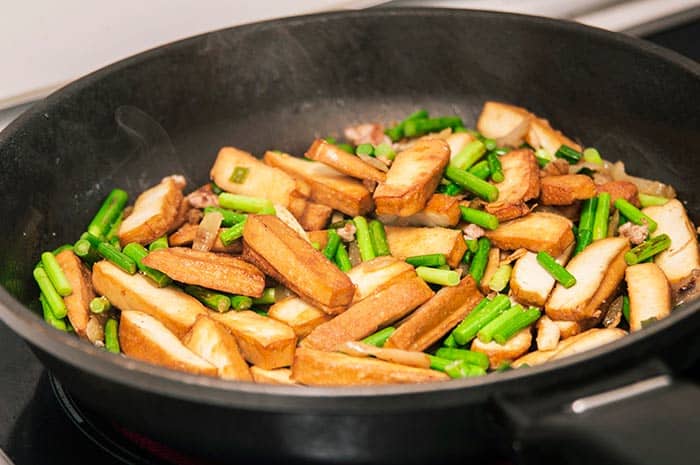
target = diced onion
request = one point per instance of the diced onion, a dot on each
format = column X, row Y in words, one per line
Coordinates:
column 287, row 218
column 207, row 231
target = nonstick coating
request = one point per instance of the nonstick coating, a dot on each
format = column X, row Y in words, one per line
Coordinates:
column 277, row 85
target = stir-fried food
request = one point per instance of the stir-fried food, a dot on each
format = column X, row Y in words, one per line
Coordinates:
column 415, row 252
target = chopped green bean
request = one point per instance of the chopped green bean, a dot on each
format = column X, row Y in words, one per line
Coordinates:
column 480, row 260
column 245, row 203
column 56, row 274
column 112, row 336
column 364, row 241
column 511, row 327
column 137, row 253
column 379, row 338
column 231, row 234
column 212, row 299
column 635, row 215
column 602, row 213
column 479, row 217
column 473, row 358
column 332, row 245
column 365, row 149
column 568, row 154
column 592, row 155
column 241, row 302
column 646, row 200
column 470, row 154
column 557, row 271
column 486, row 333
column 473, row 184
column 267, row 297
column 480, row 317
column 440, row 277
column 49, row 317
column 160, row 243
column 230, row 218
column 342, row 260
column 500, row 278
column 108, row 213
column 481, row 170
column 100, row 304
column 239, row 175
column 433, row 260
column 377, row 235
column 419, row 127
column 648, row 249
column 384, row 151
column 53, row 298
column 495, row 167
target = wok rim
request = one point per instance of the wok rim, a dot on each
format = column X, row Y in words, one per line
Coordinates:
column 374, row 399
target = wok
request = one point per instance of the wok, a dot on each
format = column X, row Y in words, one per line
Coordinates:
column 278, row 84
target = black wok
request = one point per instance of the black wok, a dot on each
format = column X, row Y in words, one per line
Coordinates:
column 277, row 85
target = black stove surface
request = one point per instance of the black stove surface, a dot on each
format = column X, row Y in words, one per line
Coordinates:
column 39, row 424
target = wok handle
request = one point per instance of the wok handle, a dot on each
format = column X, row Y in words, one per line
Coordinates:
column 649, row 421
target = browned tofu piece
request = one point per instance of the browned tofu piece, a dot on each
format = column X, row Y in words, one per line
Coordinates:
column 530, row 283
column 521, row 183
column 598, row 270
column 78, row 303
column 320, row 237
column 276, row 376
column 298, row 315
column 263, row 341
column 412, row 178
column 407, row 242
column 346, row 163
column 371, row 314
column 649, row 292
column 436, row 317
column 457, row 141
column 566, row 189
column 261, row 181
column 377, row 274
column 535, row 232
column 542, row 135
column 494, row 261
column 208, row 269
column 282, row 254
column 186, row 234
column 215, row 344
column 504, row 353
column 507, row 124
column 145, row 338
column 587, row 340
column 328, row 186
column 175, row 309
column 621, row 190
column 315, row 216
column 315, row 367
column 155, row 213
column 441, row 210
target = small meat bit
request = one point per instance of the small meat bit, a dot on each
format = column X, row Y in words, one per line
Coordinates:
column 178, row 179
column 636, row 233
column 203, row 197
column 347, row 232
column 556, row 167
column 472, row 231
column 194, row 216
column 367, row 133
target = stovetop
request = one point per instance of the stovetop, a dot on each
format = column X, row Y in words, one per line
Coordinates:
column 39, row 424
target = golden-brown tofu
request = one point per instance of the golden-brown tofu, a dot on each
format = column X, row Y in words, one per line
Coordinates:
column 548, row 334
column 521, row 183
column 346, row 163
column 504, row 353
column 315, row 216
column 319, row 237
column 681, row 258
column 530, row 283
column 621, row 190
column 542, row 135
column 371, row 314
column 215, row 344
column 78, row 303
column 598, row 270
column 281, row 253
column 263, row 341
column 175, row 309
column 208, row 269
column 277, row 376
column 649, row 292
column 155, row 213
column 587, row 340
column 315, row 367
column 507, row 124
column 535, row 232
column 377, row 274
column 436, row 317
column 494, row 261
column 261, row 180
column 408, row 242
column 457, row 141
column 299, row 315
column 186, row 234
column 537, row 357
column 145, row 338
column 412, row 178
column 566, row 189
column 328, row 186
column 440, row 211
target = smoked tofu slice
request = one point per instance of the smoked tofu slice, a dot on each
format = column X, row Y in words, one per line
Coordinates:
column 649, row 293
column 263, row 341
column 282, row 254
column 566, row 189
column 457, row 141
column 535, row 232
column 145, row 338
column 277, row 376
column 315, row 367
column 175, row 309
column 504, row 353
column 507, row 124
column 346, row 163
column 208, row 269
column 542, row 135
column 155, row 213
column 598, row 270
column 261, row 180
column 371, row 314
column 412, row 178
column 436, row 317
column 587, row 340
column 530, row 283
column 187, row 233
column 537, row 357
column 620, row 190
column 377, row 274
column 440, row 211
column 681, row 258
column 409, row 241
column 315, row 216
column 215, row 344
column 78, row 303
column 521, row 183
column 328, row 186
column 298, row 315
column 548, row 334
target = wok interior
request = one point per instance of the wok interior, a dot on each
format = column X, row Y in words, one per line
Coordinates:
column 278, row 85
